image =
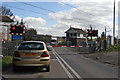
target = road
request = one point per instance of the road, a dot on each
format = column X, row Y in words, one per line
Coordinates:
column 85, row 67
column 69, row 65
column 55, row 72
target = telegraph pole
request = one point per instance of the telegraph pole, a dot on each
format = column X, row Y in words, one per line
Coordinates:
column 113, row 23
column 105, row 39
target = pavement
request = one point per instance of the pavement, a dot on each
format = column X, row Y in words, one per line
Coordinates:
column 107, row 58
column 67, row 64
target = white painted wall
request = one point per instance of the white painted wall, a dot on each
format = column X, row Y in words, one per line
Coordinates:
column 81, row 36
column 73, row 31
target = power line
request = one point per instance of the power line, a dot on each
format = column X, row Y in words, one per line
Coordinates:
column 26, row 10
column 37, row 7
column 20, row 13
column 48, row 9
column 77, row 8
column 54, row 11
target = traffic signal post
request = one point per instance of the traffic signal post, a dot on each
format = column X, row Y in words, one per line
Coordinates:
column 17, row 31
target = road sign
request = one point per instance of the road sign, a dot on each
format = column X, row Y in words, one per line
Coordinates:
column 16, row 37
column 34, row 37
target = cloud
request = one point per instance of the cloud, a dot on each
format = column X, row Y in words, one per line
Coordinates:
column 83, row 13
column 17, row 18
column 32, row 22
column 39, row 24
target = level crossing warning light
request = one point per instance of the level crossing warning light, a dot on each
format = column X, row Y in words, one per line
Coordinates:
column 17, row 29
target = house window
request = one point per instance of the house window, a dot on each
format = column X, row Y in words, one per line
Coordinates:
column 71, row 34
column 75, row 34
column 84, row 35
column 78, row 34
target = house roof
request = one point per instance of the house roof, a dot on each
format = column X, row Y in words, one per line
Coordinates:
column 76, row 29
column 5, row 19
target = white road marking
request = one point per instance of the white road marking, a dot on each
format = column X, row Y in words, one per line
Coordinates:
column 67, row 72
column 74, row 72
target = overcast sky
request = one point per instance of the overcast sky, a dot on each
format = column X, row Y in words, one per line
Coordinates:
column 66, row 13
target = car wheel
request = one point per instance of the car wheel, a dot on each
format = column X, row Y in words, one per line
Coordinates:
column 15, row 68
column 48, row 68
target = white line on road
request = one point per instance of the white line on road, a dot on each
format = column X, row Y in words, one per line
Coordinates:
column 67, row 72
column 74, row 72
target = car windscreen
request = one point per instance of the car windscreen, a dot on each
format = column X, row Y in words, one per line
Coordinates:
column 31, row 46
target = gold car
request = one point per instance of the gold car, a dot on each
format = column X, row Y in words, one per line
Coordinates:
column 31, row 53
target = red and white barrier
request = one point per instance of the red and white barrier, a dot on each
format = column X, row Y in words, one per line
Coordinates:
column 66, row 46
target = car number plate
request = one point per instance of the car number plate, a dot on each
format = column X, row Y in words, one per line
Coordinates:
column 30, row 54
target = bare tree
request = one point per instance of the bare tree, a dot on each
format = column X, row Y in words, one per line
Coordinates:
column 6, row 11
column 29, row 33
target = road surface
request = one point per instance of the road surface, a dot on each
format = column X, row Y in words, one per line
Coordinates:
column 66, row 64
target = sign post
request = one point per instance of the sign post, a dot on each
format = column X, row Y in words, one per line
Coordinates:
column 17, row 31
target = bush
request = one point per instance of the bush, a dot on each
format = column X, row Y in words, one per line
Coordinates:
column 6, row 60
column 114, row 47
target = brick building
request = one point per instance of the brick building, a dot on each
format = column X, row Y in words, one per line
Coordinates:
column 76, row 36
column 61, row 39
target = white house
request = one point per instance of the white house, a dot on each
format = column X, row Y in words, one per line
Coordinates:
column 5, row 21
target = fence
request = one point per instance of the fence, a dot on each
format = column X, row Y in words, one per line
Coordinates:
column 8, row 47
